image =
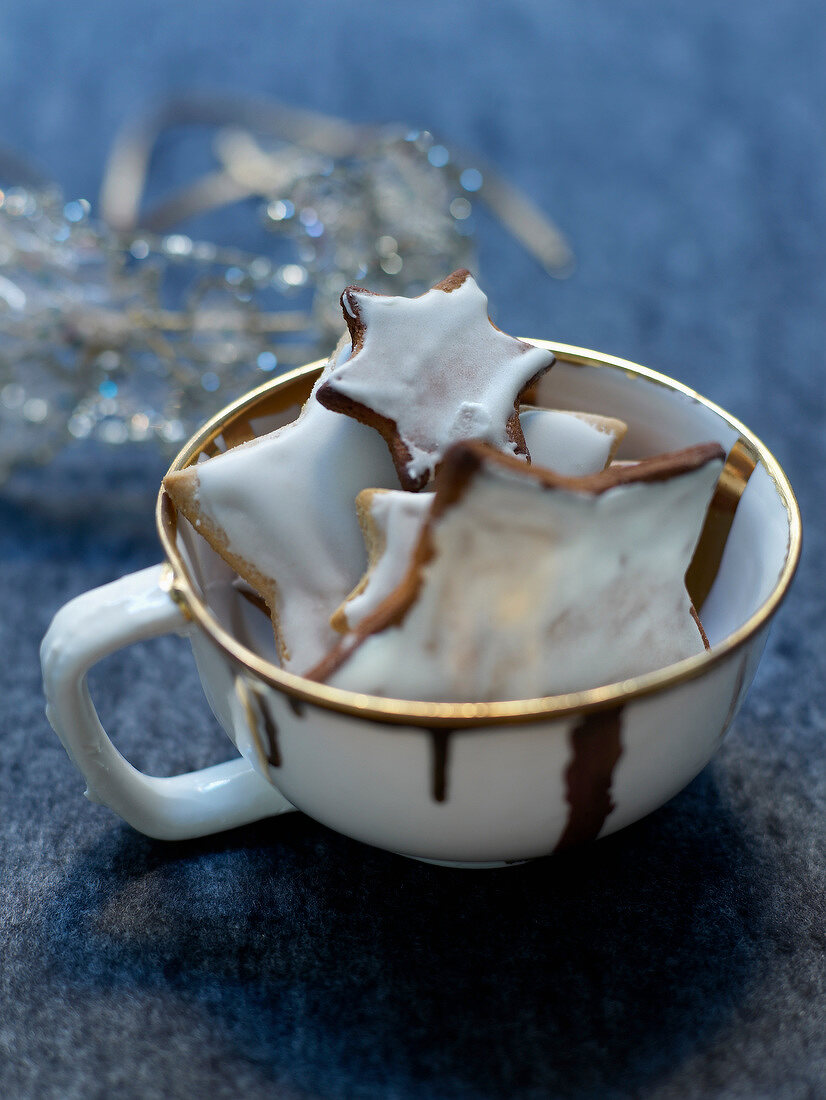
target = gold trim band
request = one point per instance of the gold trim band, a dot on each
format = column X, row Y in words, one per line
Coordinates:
column 705, row 565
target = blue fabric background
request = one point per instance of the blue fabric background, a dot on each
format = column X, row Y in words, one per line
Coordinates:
column 681, row 147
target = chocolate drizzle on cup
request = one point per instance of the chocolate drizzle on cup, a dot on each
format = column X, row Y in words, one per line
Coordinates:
column 296, row 706
column 440, row 743
column 596, row 745
column 271, row 734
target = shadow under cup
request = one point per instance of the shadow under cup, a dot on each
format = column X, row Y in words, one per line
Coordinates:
column 484, row 784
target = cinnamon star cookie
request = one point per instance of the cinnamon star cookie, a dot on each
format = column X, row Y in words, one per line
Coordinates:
column 391, row 521
column 427, row 372
column 281, row 510
column 569, row 443
column 524, row 583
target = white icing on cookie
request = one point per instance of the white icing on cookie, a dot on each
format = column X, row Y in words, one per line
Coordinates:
column 284, row 505
column 532, row 590
column 436, row 368
column 397, row 518
column 570, row 443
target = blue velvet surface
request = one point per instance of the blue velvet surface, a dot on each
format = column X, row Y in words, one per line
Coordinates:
column 681, row 148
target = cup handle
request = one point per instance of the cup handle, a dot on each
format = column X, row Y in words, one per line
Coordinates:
column 181, row 807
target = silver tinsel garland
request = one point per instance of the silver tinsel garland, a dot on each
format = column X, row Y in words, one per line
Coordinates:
column 117, row 331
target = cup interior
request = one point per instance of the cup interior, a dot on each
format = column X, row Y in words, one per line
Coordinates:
column 760, row 541
column 661, row 418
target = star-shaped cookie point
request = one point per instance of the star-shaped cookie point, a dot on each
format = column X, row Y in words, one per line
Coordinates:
column 525, row 584
column 280, row 510
column 430, row 371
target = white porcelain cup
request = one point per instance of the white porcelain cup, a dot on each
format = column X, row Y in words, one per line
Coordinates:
column 479, row 784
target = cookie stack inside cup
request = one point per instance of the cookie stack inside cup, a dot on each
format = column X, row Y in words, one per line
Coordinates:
column 419, row 532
